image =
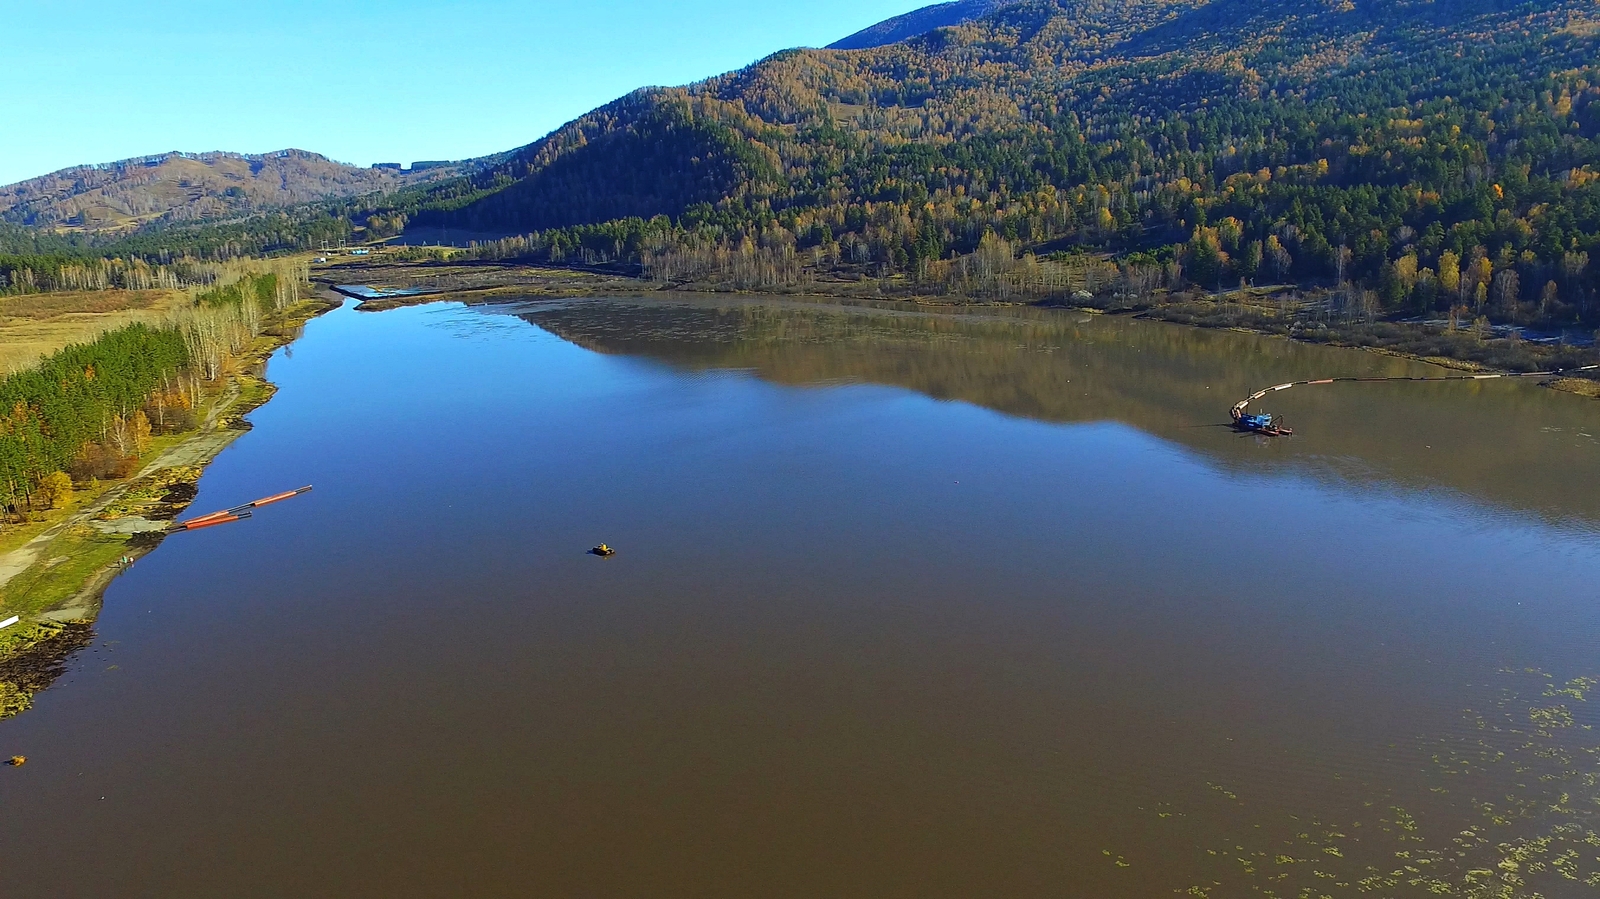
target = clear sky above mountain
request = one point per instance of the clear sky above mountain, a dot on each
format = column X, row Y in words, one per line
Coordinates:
column 362, row 81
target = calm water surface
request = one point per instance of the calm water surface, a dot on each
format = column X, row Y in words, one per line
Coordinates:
column 905, row 605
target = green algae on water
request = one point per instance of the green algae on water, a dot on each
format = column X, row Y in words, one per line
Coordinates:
column 1519, row 819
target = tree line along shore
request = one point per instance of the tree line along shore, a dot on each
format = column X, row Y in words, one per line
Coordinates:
column 102, row 443
column 997, row 273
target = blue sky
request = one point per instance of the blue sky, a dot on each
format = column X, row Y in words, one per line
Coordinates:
column 360, row 81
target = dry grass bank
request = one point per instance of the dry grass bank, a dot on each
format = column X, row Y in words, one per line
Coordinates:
column 36, row 325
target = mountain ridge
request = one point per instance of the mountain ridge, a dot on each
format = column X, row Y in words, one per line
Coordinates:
column 176, row 187
column 916, row 23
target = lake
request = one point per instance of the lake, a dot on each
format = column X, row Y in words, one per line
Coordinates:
column 904, row 605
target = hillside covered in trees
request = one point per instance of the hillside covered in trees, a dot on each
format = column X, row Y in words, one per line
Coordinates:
column 1433, row 159
column 184, row 187
column 1429, row 157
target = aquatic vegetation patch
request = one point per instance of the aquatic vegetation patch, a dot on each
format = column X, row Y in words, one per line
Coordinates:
column 1512, row 811
column 32, row 660
column 1578, row 688
column 1553, row 717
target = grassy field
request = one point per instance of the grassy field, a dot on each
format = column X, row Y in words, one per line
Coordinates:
column 38, row 324
column 75, row 558
column 35, row 325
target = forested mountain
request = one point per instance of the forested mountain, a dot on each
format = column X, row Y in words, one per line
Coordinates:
column 1437, row 154
column 1433, row 158
column 180, row 187
column 915, row 23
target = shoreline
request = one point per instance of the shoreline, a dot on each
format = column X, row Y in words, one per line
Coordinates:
column 1405, row 340
column 105, row 533
column 66, row 567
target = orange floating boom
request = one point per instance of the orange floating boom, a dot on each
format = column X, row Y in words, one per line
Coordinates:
column 271, row 499
column 229, row 516
column 210, row 522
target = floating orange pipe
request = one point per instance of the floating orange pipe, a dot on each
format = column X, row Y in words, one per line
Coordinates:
column 209, row 522
column 229, row 516
column 274, row 499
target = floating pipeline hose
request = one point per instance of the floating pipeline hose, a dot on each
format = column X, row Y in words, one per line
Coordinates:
column 211, row 521
column 236, row 510
column 237, row 513
column 1240, row 416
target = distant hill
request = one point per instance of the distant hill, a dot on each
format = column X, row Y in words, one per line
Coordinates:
column 182, row 187
column 916, row 22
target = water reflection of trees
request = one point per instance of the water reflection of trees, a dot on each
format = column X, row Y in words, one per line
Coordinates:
column 1486, row 441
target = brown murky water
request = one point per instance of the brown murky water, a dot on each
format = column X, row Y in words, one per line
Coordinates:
column 905, row 605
